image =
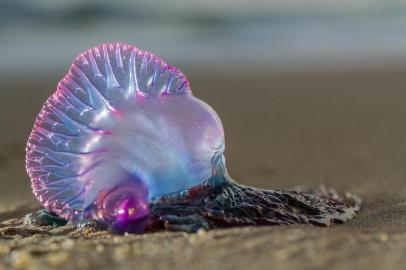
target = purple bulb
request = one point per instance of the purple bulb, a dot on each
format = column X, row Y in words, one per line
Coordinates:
column 125, row 207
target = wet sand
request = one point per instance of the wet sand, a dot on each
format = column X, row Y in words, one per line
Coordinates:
column 344, row 130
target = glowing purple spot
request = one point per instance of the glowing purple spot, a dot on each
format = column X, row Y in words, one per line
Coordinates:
column 126, row 207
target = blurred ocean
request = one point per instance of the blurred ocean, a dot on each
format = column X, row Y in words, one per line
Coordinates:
column 44, row 35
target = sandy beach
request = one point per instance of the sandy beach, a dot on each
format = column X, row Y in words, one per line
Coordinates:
column 344, row 130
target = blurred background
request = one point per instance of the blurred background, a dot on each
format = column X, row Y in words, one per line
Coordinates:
column 40, row 36
column 310, row 91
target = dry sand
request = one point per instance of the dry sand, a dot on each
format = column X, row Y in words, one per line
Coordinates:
column 344, row 130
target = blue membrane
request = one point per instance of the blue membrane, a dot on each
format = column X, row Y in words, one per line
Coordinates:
column 121, row 115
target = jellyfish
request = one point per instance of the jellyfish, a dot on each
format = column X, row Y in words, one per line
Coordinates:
column 124, row 142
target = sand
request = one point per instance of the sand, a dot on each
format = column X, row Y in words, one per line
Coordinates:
column 344, row 130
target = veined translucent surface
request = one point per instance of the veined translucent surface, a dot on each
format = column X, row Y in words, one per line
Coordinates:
column 121, row 115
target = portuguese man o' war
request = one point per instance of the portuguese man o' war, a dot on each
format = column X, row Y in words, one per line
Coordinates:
column 124, row 142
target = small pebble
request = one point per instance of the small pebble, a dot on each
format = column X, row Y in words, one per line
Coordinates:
column 201, row 233
column 20, row 259
column 58, row 259
column 99, row 248
column 384, row 237
column 68, row 244
column 4, row 249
